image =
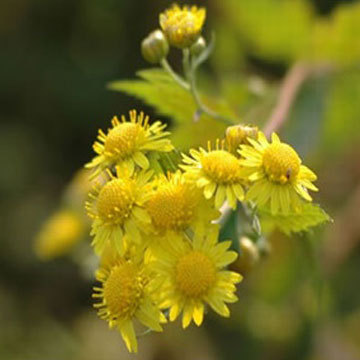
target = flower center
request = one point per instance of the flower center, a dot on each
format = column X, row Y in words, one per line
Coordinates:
column 183, row 20
column 123, row 140
column 123, row 290
column 172, row 206
column 115, row 201
column 281, row 163
column 195, row 274
column 222, row 167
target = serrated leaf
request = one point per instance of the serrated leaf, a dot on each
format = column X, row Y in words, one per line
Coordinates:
column 311, row 215
column 157, row 89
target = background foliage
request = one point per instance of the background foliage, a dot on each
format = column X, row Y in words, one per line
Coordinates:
column 300, row 302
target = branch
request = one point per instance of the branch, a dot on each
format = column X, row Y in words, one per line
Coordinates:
column 290, row 87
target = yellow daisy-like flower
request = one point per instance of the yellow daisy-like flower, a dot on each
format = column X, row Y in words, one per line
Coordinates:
column 127, row 142
column 59, row 234
column 117, row 209
column 218, row 172
column 182, row 26
column 177, row 205
column 278, row 179
column 125, row 296
column 191, row 275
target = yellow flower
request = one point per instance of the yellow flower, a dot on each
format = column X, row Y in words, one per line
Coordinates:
column 278, row 179
column 117, row 209
column 191, row 275
column 59, row 234
column 182, row 26
column 177, row 205
column 218, row 172
column 125, row 296
column 127, row 143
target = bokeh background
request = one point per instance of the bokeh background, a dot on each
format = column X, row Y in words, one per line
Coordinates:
column 300, row 302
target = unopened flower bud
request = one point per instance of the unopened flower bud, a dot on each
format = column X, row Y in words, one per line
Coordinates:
column 182, row 26
column 248, row 258
column 155, row 47
column 238, row 134
column 198, row 47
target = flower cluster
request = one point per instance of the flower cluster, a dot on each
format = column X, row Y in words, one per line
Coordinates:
column 172, row 232
column 155, row 229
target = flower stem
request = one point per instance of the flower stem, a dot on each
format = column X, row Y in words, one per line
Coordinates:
column 190, row 72
column 166, row 66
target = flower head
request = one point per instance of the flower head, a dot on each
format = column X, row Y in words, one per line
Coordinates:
column 177, row 205
column 182, row 26
column 191, row 275
column 125, row 296
column 117, row 209
column 59, row 234
column 127, row 142
column 277, row 177
column 218, row 172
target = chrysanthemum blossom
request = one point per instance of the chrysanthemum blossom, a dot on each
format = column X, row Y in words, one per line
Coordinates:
column 218, row 172
column 127, row 143
column 177, row 205
column 125, row 296
column 277, row 178
column 191, row 275
column 182, row 26
column 117, row 209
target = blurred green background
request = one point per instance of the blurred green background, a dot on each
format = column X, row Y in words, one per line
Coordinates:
column 302, row 301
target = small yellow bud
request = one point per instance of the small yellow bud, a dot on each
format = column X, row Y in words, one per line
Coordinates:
column 155, row 47
column 248, row 258
column 198, row 47
column 238, row 134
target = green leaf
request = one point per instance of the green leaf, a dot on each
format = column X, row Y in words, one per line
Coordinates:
column 337, row 38
column 230, row 230
column 312, row 215
column 276, row 29
column 157, row 89
column 342, row 118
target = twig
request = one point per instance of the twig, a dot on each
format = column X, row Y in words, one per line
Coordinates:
column 290, row 87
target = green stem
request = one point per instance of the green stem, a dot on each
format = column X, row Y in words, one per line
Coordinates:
column 190, row 85
column 166, row 66
column 186, row 65
column 189, row 70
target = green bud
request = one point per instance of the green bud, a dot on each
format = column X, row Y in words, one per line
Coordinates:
column 198, row 47
column 238, row 134
column 248, row 258
column 155, row 47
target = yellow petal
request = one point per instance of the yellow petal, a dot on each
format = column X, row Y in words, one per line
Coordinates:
column 209, row 190
column 187, row 316
column 141, row 160
column 126, row 329
column 198, row 314
column 220, row 196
